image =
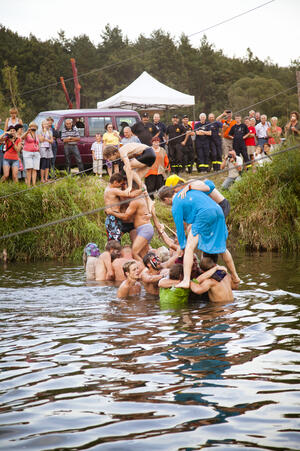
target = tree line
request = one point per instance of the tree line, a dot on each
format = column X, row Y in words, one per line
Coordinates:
column 30, row 71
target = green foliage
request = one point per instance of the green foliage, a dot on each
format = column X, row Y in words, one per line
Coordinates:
column 265, row 205
column 216, row 80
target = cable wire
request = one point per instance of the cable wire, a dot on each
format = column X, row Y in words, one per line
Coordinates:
column 97, row 210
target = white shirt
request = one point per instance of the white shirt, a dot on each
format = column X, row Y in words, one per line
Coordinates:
column 97, row 148
column 261, row 130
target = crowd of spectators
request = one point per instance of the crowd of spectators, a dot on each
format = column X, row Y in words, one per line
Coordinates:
column 181, row 146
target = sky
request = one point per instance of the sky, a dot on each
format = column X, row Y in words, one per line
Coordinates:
column 271, row 31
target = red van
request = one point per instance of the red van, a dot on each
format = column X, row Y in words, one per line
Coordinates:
column 89, row 122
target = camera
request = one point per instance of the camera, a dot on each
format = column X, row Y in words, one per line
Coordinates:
column 227, row 111
column 9, row 135
column 230, row 155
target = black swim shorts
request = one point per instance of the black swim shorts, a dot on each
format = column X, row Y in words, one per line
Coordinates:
column 148, row 157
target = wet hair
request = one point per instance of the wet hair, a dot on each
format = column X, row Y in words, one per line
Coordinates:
column 117, row 177
column 176, row 272
column 126, row 266
column 113, row 244
column 148, row 257
column 207, row 263
column 165, row 192
column 109, row 151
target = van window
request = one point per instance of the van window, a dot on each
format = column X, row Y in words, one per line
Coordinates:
column 97, row 124
column 77, row 121
column 130, row 121
column 41, row 117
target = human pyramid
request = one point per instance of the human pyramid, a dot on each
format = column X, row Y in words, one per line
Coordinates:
column 199, row 211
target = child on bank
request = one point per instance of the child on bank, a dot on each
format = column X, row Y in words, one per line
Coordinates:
column 97, row 153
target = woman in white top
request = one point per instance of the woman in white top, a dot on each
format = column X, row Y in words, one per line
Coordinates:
column 13, row 119
column 46, row 140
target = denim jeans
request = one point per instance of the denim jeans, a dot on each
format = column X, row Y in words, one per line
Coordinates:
column 69, row 150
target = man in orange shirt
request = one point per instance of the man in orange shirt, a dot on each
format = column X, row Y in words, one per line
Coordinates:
column 228, row 123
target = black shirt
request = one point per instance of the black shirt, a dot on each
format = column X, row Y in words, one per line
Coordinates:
column 215, row 128
column 189, row 142
column 174, row 131
column 162, row 130
column 238, row 131
column 145, row 132
column 202, row 139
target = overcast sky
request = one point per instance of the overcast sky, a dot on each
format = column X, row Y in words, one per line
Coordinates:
column 272, row 31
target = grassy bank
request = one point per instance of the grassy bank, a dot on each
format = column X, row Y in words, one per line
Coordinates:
column 265, row 209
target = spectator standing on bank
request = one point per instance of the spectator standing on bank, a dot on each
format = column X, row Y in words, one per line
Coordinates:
column 252, row 115
column 145, row 130
column 70, row 136
column 234, row 163
column 97, row 153
column 1, row 152
column 239, row 132
column 274, row 133
column 31, row 153
column 46, row 140
column 202, row 132
column 215, row 142
column 11, row 155
column 22, row 170
column 13, row 119
column 257, row 117
column 162, row 129
column 154, row 179
column 262, row 131
column 187, row 145
column 292, row 128
column 129, row 137
column 56, row 135
column 175, row 136
column 228, row 123
column 250, row 140
column 111, row 138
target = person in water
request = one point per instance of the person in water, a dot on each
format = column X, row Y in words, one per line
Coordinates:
column 117, row 264
column 215, row 281
column 208, row 229
column 130, row 286
column 104, row 269
column 90, row 257
column 152, row 273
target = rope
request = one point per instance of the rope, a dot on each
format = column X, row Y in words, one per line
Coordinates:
column 120, row 62
column 97, row 210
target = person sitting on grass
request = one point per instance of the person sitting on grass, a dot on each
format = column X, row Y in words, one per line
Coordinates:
column 104, row 270
column 130, row 286
column 215, row 281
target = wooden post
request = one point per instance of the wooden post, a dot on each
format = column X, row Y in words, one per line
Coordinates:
column 298, row 86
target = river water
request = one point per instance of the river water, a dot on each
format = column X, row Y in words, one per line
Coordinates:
column 82, row 370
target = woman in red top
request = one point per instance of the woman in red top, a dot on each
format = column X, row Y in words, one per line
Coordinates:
column 11, row 155
column 274, row 133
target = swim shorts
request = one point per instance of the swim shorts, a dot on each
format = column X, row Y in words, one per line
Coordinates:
column 127, row 227
column 148, row 157
column 225, row 205
column 113, row 227
column 146, row 231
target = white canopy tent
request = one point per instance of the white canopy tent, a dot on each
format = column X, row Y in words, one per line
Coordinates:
column 147, row 93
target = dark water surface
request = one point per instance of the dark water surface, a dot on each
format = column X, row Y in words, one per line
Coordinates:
column 82, row 370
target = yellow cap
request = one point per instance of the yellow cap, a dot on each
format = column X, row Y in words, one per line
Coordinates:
column 173, row 180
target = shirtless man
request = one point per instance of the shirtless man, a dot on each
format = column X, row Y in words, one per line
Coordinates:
column 137, row 159
column 138, row 210
column 104, row 269
column 117, row 264
column 130, row 286
column 112, row 196
column 153, row 272
column 215, row 280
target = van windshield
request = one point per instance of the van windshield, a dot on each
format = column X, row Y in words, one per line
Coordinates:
column 41, row 117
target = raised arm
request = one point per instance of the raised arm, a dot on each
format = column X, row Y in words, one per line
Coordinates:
column 201, row 288
column 207, row 274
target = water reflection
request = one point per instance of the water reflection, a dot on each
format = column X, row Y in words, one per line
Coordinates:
column 82, row 370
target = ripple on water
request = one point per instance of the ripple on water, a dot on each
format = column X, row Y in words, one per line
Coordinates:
column 82, row 370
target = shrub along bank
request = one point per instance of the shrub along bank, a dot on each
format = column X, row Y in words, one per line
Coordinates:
column 265, row 209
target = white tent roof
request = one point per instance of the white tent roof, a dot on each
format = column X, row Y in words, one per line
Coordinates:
column 148, row 93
